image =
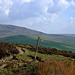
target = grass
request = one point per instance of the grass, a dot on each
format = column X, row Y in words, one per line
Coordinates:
column 55, row 68
column 53, row 65
column 44, row 56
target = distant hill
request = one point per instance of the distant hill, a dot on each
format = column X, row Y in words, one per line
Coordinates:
column 72, row 35
column 60, row 38
column 11, row 29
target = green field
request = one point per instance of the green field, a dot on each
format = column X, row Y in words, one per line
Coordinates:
column 24, row 39
column 43, row 56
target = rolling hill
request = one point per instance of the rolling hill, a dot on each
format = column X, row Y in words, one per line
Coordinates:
column 16, row 30
column 16, row 34
column 9, row 30
column 24, row 39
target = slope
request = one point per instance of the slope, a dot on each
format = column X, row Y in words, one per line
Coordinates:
column 24, row 39
column 9, row 30
column 14, row 30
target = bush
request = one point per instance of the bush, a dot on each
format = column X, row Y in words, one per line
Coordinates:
column 7, row 49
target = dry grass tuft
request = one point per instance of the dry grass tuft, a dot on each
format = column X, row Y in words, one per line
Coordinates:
column 55, row 68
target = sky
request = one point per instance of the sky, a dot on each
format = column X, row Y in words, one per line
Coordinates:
column 48, row 16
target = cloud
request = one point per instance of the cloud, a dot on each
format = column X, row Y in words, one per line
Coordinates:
column 58, row 6
column 22, row 9
column 5, row 6
column 53, row 17
column 73, row 2
column 26, row 1
column 72, row 20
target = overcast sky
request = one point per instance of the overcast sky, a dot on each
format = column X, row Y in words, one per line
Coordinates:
column 49, row 16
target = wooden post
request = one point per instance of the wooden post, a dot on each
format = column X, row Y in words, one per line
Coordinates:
column 37, row 47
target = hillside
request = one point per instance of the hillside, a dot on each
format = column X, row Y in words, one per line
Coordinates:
column 9, row 30
column 15, row 30
column 72, row 35
column 24, row 39
column 49, row 61
column 22, row 35
column 60, row 38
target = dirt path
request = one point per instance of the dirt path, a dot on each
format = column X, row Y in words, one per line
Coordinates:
column 3, row 66
column 20, row 50
column 7, row 59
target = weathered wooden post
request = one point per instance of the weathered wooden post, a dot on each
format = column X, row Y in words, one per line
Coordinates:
column 37, row 47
